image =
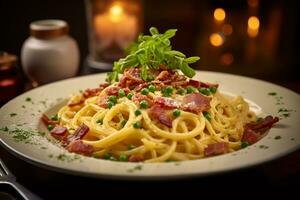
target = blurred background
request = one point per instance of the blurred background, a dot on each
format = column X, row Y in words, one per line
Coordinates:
column 248, row 37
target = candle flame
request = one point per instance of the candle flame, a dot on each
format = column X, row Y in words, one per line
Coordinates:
column 116, row 12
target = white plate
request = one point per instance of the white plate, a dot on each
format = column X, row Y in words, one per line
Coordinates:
column 281, row 140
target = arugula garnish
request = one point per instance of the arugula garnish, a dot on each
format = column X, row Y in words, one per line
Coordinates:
column 149, row 53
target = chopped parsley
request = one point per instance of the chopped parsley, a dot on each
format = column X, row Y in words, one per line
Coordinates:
column 207, row 115
column 12, row 114
column 244, row 144
column 272, row 93
column 278, row 137
column 135, row 168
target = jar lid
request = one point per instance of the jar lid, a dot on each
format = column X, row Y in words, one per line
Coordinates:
column 48, row 29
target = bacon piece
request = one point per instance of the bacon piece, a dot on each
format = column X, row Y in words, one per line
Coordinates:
column 79, row 133
column 102, row 86
column 264, row 124
column 102, row 102
column 159, row 113
column 170, row 77
column 91, row 92
column 48, row 121
column 208, row 85
column 196, row 103
column 167, row 102
column 194, row 83
column 137, row 98
column 79, row 147
column 250, row 136
column 164, row 76
column 140, row 87
column 131, row 78
column 59, row 132
column 113, row 90
column 216, row 149
column 136, row 158
column 134, row 74
column 253, row 132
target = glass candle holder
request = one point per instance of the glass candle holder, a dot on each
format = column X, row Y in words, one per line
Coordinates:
column 112, row 26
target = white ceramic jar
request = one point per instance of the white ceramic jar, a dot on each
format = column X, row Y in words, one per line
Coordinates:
column 49, row 54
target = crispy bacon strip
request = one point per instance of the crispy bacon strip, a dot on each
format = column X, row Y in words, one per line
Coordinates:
column 79, row 133
column 79, row 147
column 167, row 102
column 216, row 149
column 159, row 113
column 196, row 103
column 48, row 121
column 140, row 86
column 59, row 132
column 253, row 132
column 113, row 91
column 137, row 98
column 131, row 78
column 102, row 102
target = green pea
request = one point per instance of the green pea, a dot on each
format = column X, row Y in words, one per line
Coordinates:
column 144, row 91
column 176, row 113
column 137, row 125
column 129, row 96
column 190, row 89
column 167, row 91
column 204, row 91
column 181, row 91
column 151, row 88
column 144, row 104
column 50, row 127
column 110, row 104
column 113, row 99
column 137, row 112
column 106, row 156
column 123, row 157
column 213, row 90
column 122, row 93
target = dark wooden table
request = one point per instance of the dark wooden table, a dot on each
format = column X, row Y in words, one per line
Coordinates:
column 278, row 177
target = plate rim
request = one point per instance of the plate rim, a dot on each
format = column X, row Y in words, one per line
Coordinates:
column 136, row 176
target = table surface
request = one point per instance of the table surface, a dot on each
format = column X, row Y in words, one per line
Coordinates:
column 280, row 176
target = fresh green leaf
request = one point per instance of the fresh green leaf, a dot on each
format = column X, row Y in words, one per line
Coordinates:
column 192, row 59
column 149, row 52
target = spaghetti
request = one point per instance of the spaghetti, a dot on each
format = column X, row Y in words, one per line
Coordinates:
column 167, row 118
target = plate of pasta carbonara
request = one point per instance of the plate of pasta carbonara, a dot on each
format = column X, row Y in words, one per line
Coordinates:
column 153, row 116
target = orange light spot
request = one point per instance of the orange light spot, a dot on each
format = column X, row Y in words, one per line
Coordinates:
column 219, row 14
column 253, row 23
column 227, row 29
column 216, row 39
column 226, row 59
